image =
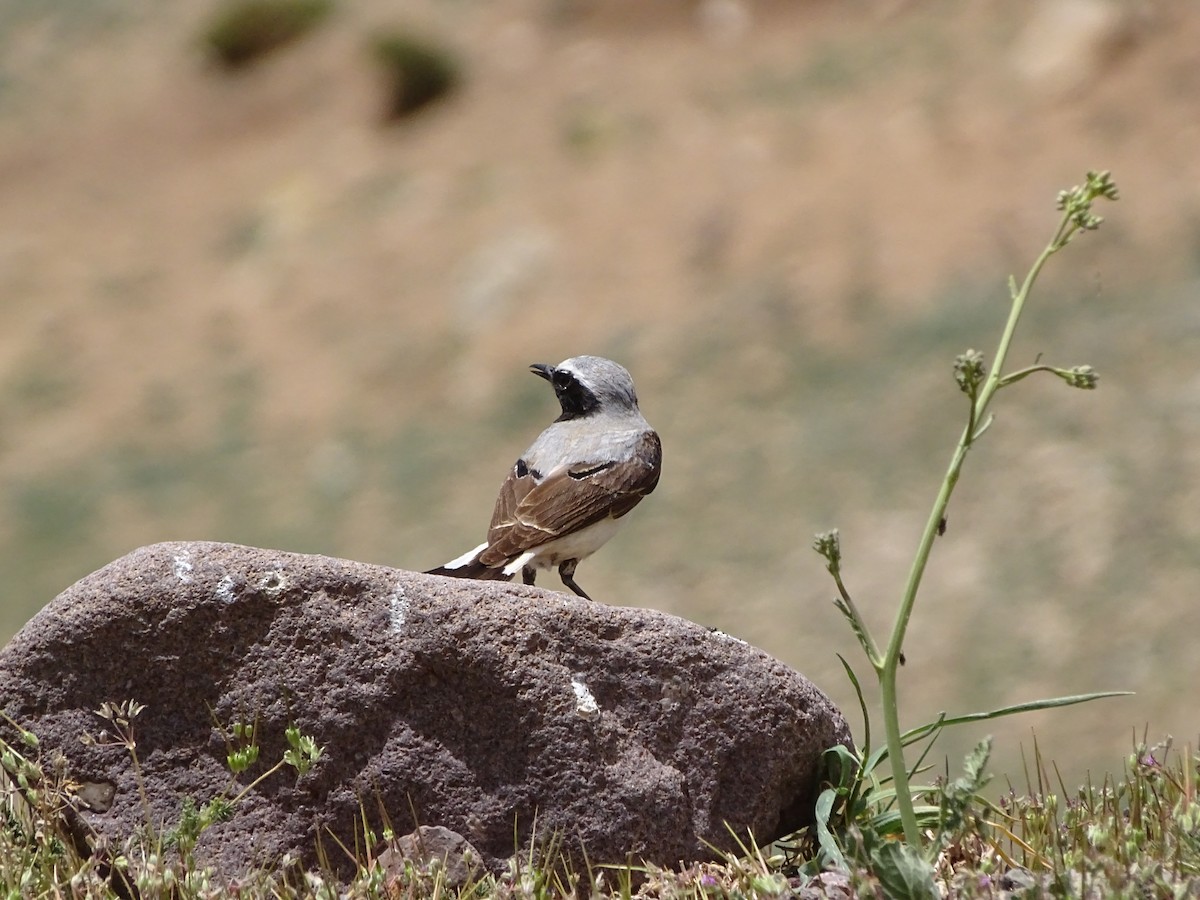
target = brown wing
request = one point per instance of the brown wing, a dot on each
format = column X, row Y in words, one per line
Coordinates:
column 569, row 499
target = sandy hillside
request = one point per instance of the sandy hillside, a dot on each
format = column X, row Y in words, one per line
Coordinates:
column 240, row 307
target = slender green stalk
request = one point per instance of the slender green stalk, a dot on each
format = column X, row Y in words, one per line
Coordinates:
column 891, row 658
column 1075, row 205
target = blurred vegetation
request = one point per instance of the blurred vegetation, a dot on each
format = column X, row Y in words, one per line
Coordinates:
column 246, row 30
column 416, row 72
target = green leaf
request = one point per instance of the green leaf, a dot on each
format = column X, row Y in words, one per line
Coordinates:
column 1030, row 706
column 903, row 872
column 842, row 766
column 830, row 850
column 975, row 776
column 958, row 796
column 855, row 626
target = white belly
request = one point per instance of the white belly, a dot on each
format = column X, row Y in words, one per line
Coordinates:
column 579, row 545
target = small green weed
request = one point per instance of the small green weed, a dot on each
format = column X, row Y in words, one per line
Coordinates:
column 160, row 861
column 906, row 869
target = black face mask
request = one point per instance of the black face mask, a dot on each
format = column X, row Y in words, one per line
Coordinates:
column 575, row 399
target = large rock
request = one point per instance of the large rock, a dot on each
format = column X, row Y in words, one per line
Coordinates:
column 481, row 707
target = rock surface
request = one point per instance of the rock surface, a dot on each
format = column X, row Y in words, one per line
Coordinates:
column 427, row 847
column 481, row 707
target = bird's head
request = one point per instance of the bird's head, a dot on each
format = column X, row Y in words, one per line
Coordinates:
column 586, row 385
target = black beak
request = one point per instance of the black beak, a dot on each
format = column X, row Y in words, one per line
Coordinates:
column 543, row 370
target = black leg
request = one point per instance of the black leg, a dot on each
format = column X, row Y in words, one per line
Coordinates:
column 528, row 574
column 566, row 571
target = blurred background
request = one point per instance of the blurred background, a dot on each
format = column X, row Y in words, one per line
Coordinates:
column 278, row 281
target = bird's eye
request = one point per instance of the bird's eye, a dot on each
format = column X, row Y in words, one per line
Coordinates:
column 563, row 379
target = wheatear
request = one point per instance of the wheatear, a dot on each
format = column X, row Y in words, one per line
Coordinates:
column 570, row 491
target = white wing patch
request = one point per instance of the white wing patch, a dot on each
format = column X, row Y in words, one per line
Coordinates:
column 519, row 563
column 467, row 558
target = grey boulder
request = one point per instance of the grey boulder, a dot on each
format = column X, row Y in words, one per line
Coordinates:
column 511, row 715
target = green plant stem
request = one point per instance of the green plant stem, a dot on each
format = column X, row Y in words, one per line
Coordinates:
column 141, row 782
column 860, row 624
column 1014, row 377
column 887, row 668
column 995, row 379
column 256, row 782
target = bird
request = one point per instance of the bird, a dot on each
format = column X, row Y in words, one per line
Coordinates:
column 570, row 491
